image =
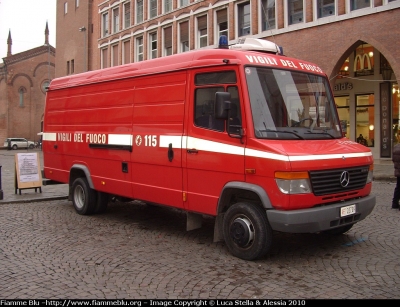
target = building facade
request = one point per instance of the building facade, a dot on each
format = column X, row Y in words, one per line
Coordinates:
column 355, row 42
column 23, row 80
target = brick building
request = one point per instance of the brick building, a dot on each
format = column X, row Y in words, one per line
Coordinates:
column 355, row 42
column 23, row 78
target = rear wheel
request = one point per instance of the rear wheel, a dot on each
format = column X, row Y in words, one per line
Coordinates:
column 15, row 147
column 247, row 232
column 83, row 197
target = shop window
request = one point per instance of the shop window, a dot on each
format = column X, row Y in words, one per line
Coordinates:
column 344, row 69
column 365, row 119
column 364, row 60
column 396, row 113
column 343, row 108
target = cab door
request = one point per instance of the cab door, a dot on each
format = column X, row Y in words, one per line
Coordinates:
column 213, row 158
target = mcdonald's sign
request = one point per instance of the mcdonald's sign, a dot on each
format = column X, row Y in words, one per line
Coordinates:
column 362, row 63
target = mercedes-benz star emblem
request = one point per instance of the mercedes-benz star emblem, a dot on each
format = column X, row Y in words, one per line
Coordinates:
column 344, row 179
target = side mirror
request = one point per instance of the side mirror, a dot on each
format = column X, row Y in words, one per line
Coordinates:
column 222, row 104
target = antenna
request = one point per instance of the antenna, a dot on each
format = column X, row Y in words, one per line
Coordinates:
column 264, row 10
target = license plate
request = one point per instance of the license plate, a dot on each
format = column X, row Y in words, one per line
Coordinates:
column 348, row 210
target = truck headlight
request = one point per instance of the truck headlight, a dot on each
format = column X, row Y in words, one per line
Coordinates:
column 293, row 182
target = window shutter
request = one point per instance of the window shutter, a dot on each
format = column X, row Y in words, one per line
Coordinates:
column 184, row 31
column 168, row 37
column 222, row 16
column 202, row 22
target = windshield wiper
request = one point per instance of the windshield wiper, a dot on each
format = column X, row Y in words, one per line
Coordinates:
column 282, row 131
column 323, row 132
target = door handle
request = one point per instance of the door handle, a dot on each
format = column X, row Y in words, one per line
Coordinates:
column 170, row 152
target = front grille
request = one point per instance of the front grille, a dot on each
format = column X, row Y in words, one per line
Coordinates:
column 329, row 181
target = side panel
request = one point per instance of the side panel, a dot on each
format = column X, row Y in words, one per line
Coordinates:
column 79, row 126
column 158, row 120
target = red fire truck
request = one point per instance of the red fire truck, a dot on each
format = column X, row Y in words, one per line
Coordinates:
column 241, row 133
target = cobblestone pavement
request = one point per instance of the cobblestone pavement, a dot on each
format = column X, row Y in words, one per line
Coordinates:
column 140, row 251
column 137, row 251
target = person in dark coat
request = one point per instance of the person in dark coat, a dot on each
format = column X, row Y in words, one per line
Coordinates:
column 396, row 163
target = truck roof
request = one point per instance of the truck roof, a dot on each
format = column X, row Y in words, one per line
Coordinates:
column 236, row 54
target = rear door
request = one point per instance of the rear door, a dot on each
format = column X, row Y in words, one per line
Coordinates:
column 213, row 158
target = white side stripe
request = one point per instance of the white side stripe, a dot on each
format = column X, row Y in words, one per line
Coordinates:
column 49, row 136
column 175, row 140
column 266, row 155
column 200, row 144
column 120, row 139
column 187, row 142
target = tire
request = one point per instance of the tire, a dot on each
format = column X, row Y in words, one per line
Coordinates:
column 247, row 232
column 102, row 202
column 339, row 230
column 83, row 197
column 31, row 146
column 15, row 147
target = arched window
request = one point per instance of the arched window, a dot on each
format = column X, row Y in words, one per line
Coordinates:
column 21, row 93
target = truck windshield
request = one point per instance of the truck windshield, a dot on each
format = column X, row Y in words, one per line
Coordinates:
column 291, row 105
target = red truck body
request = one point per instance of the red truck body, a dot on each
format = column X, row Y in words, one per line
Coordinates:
column 163, row 131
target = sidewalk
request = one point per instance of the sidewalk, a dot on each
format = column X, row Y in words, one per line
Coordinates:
column 7, row 181
column 383, row 171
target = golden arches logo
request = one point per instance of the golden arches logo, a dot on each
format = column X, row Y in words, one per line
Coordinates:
column 360, row 61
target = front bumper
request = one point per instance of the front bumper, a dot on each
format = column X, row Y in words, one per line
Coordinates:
column 318, row 219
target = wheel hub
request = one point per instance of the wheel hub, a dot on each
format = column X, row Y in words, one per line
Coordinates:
column 241, row 232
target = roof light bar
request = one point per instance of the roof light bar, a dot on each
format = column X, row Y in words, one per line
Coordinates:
column 249, row 43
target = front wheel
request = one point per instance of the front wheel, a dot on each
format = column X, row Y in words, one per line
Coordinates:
column 83, row 197
column 247, row 232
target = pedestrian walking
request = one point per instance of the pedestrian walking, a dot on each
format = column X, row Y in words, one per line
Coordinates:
column 396, row 163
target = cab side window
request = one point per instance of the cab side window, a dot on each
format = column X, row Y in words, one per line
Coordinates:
column 204, row 113
column 207, row 84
